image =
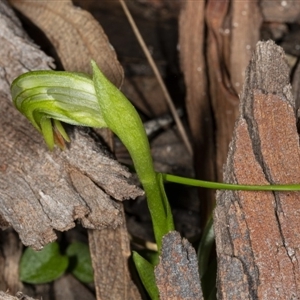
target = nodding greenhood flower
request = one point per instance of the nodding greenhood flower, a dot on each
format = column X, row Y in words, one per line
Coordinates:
column 47, row 98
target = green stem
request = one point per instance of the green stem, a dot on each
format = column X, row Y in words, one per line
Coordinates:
column 229, row 186
column 122, row 118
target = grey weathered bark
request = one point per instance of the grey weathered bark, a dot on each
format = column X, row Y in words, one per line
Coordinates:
column 42, row 191
column 19, row 296
column 257, row 233
column 177, row 275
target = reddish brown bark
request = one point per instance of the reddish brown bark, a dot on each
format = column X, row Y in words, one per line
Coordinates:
column 257, row 233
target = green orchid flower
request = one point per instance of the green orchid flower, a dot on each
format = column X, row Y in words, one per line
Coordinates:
column 48, row 98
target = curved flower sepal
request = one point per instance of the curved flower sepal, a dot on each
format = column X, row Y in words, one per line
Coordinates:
column 54, row 133
column 48, row 97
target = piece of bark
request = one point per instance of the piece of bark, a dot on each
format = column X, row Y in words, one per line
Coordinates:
column 257, row 233
column 193, row 65
column 19, row 296
column 76, row 35
column 98, row 201
column 177, row 275
column 115, row 244
column 281, row 11
column 13, row 41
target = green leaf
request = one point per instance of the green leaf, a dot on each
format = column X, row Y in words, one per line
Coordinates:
column 80, row 262
column 205, row 246
column 146, row 273
column 208, row 281
column 168, row 212
column 207, row 266
column 42, row 266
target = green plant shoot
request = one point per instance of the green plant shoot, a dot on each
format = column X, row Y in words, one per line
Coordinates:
column 123, row 119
